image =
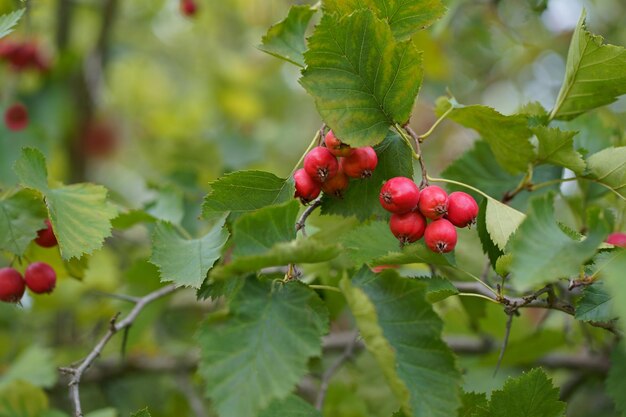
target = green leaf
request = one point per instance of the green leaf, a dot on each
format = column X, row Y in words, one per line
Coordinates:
column 103, row 412
column 292, row 406
column 22, row 214
column 404, row 17
column 415, row 253
column 530, row 395
column 489, row 247
column 595, row 74
column 437, row 288
column 616, row 380
column 244, row 191
column 403, row 332
column 363, row 80
column 35, row 365
column 302, row 251
column 501, row 221
column 141, row 413
column 543, row 253
column 508, row 136
column 285, row 40
column 608, row 167
column 8, row 22
column 369, row 241
column 256, row 233
column 611, row 270
column 21, row 399
column 595, row 304
column 168, row 206
column 80, row 213
column 186, row 262
column 474, row 405
column 361, row 197
column 557, row 147
column 260, row 352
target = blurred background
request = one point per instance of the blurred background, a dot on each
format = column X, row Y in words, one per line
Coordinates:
column 154, row 105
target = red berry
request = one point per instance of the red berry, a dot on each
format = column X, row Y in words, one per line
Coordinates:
column 337, row 184
column 617, row 239
column 462, row 209
column 40, row 278
column 408, row 227
column 45, row 237
column 306, row 188
column 11, row 285
column 16, row 117
column 433, row 202
column 440, row 236
column 336, row 146
column 399, row 195
column 188, row 7
column 360, row 163
column 320, row 164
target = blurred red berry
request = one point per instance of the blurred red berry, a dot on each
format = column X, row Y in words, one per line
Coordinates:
column 16, row 117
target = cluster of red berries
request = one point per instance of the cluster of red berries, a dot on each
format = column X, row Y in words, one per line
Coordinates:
column 329, row 168
column 188, row 7
column 39, row 277
column 16, row 117
column 411, row 207
column 24, row 55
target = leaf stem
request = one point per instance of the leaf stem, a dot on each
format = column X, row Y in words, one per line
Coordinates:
column 407, row 140
column 469, row 187
column 311, row 146
column 421, row 138
column 537, row 186
column 480, row 281
column 470, row 294
column 325, row 287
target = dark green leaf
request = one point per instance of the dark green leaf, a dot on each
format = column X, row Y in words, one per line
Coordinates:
column 292, row 406
column 363, row 80
column 285, row 40
column 616, row 381
column 611, row 269
column 141, row 413
column 415, row 253
column 557, row 147
column 369, row 241
column 437, row 288
column 21, row 215
column 595, row 304
column 474, row 405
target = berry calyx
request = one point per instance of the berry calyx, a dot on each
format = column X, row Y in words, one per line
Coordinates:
column 360, row 163
column 408, row 227
column 45, row 237
column 440, row 236
column 399, row 195
column 337, row 184
column 336, row 146
column 16, row 117
column 320, row 164
column 433, row 202
column 40, row 278
column 12, row 285
column 306, row 188
column 617, row 239
column 462, row 209
column 188, row 7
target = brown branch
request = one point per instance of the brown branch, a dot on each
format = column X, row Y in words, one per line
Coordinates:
column 418, row 150
column 76, row 372
column 301, row 223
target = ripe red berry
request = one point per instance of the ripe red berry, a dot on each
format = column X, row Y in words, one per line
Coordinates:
column 320, row 164
column 440, row 236
column 45, row 237
column 617, row 239
column 399, row 195
column 188, row 7
column 11, row 285
column 433, row 202
column 336, row 146
column 360, row 163
column 306, row 188
column 40, row 278
column 337, row 184
column 408, row 227
column 462, row 209
column 16, row 117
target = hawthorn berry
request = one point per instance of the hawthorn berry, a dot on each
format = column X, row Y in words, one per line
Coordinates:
column 336, row 146
column 306, row 188
column 399, row 195
column 337, row 184
column 320, row 164
column 433, row 202
column 45, row 237
column 40, row 278
column 360, row 163
column 16, row 117
column 408, row 227
column 617, row 239
column 440, row 236
column 188, row 7
column 462, row 209
column 12, row 285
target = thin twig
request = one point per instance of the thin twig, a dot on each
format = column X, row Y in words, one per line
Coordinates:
column 76, row 372
column 300, row 224
column 505, row 342
column 330, row 372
